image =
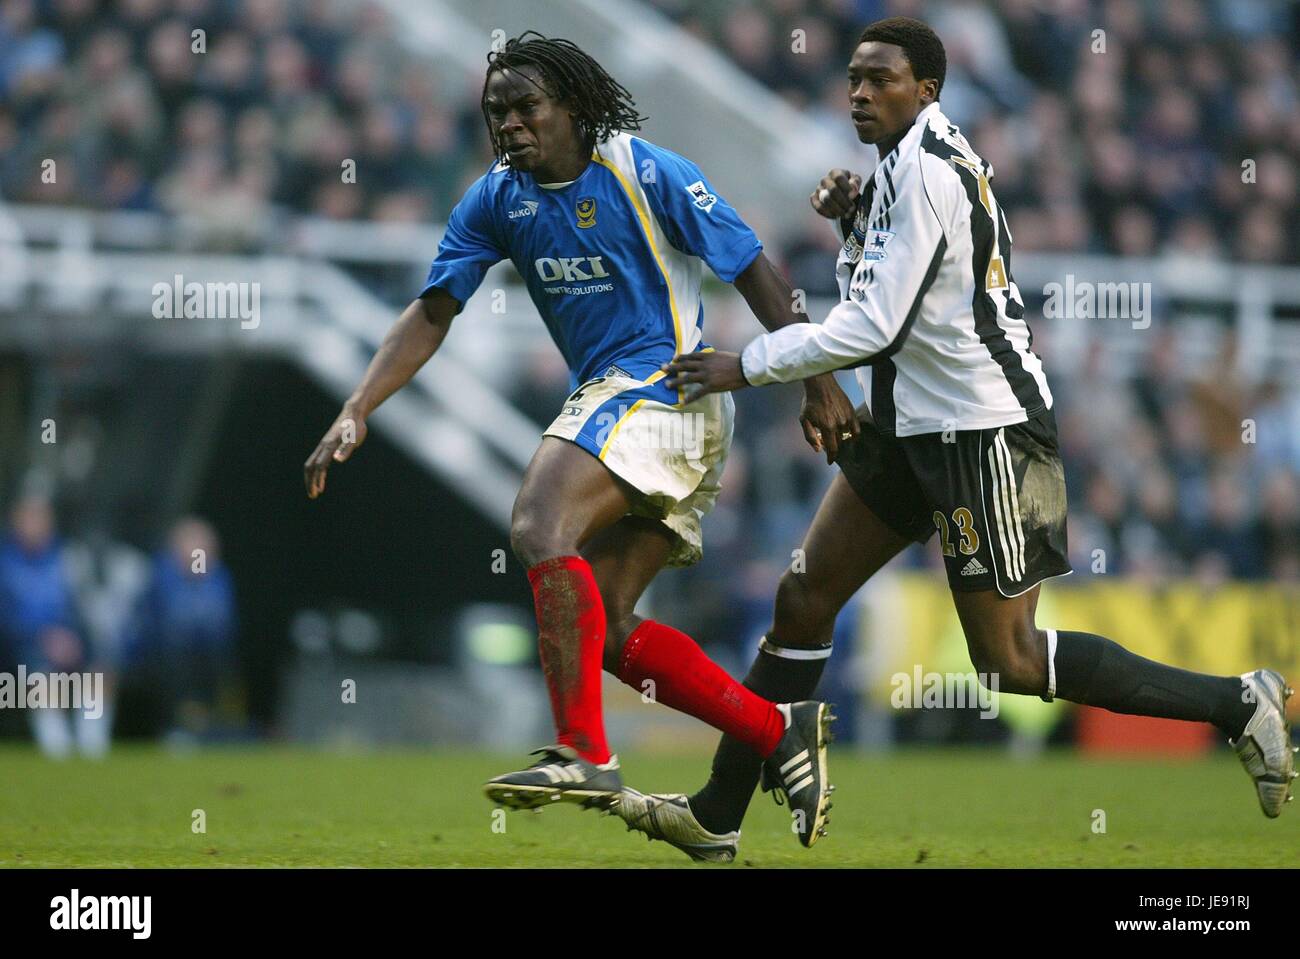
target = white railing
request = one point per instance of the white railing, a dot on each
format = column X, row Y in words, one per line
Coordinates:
column 57, row 286
column 71, row 276
column 1203, row 298
column 1196, row 294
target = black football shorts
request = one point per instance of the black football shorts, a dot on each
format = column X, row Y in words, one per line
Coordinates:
column 996, row 497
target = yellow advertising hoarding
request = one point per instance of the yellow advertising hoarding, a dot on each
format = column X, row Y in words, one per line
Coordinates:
column 1225, row 630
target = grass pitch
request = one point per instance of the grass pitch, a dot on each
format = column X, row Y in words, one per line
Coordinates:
column 270, row 806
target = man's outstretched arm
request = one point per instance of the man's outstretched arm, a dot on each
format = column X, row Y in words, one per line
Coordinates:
column 872, row 323
column 827, row 414
column 408, row 345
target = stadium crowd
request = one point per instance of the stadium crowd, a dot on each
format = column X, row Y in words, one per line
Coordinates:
column 254, row 127
column 1130, row 143
column 1115, row 126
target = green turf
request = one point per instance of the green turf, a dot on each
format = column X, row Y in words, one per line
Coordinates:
column 935, row 808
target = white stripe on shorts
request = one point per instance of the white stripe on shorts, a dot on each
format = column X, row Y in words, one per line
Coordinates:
column 1015, row 501
column 995, row 478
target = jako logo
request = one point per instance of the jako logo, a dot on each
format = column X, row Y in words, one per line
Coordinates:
column 103, row 912
column 570, row 268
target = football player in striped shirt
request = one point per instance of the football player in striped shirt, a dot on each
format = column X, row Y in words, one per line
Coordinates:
column 959, row 438
column 610, row 233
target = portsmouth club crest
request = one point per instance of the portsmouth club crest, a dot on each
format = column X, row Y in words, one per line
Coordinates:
column 586, row 210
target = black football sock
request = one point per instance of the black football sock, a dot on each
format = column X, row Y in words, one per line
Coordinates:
column 782, row 676
column 1095, row 671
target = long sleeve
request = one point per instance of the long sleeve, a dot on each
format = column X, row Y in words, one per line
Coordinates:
column 898, row 265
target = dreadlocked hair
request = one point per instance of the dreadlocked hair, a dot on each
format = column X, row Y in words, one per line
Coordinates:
column 601, row 105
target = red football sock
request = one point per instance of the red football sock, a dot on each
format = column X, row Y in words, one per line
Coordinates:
column 686, row 679
column 570, row 639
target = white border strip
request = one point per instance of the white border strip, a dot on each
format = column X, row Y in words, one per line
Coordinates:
column 787, row 652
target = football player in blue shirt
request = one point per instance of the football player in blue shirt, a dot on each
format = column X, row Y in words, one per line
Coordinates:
column 609, row 232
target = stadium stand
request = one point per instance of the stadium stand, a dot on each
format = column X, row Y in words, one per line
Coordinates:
column 1138, row 153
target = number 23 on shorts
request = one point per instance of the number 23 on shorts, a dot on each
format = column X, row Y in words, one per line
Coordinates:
column 965, row 523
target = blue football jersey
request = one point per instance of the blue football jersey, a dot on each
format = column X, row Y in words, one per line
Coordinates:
column 612, row 260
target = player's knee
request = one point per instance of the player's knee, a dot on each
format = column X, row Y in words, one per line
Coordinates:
column 522, row 539
column 533, row 539
column 803, row 616
column 1016, row 656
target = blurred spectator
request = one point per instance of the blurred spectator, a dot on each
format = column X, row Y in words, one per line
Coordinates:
column 1276, row 414
column 1153, row 542
column 40, row 624
column 107, row 578
column 1226, row 534
column 183, row 643
column 809, row 260
column 1222, row 397
column 1278, row 528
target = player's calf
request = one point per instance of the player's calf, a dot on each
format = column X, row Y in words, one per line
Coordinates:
column 1015, row 658
column 1002, row 639
column 1250, row 710
column 783, row 674
column 618, row 627
column 667, row 666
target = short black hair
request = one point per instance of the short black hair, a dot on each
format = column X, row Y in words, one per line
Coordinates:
column 921, row 45
column 601, row 105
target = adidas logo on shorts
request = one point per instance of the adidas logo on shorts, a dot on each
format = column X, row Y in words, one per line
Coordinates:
column 973, row 568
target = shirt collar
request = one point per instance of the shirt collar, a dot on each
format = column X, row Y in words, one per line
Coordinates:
column 920, row 123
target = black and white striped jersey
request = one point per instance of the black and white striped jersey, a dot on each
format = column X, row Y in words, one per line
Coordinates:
column 930, row 316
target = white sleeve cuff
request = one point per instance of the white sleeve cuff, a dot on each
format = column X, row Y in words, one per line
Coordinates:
column 753, row 362
column 751, row 365
column 791, row 353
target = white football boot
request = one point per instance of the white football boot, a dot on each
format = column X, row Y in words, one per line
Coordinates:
column 668, row 817
column 1264, row 747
